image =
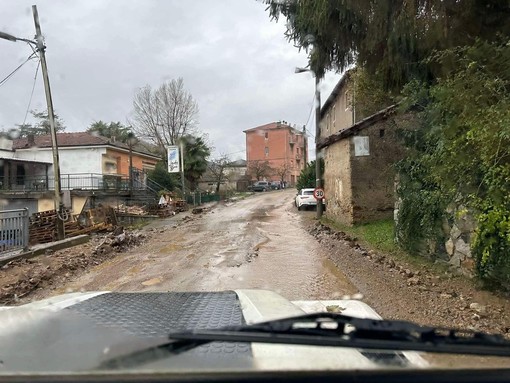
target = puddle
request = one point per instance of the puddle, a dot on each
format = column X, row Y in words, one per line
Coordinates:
column 170, row 248
column 151, row 282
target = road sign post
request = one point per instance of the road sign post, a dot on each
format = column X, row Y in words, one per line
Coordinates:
column 318, row 193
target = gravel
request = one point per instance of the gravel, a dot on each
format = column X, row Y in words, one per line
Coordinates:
column 399, row 290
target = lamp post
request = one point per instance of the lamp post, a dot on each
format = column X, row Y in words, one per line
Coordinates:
column 41, row 48
column 318, row 173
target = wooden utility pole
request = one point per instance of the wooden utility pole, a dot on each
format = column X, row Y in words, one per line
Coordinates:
column 53, row 132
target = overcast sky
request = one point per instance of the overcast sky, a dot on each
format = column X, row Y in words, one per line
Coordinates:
column 234, row 60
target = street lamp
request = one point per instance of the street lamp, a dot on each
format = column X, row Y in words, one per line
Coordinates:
column 318, row 173
column 41, row 48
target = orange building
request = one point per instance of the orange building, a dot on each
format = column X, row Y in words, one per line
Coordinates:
column 283, row 147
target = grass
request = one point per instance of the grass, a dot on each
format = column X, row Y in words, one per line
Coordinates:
column 379, row 236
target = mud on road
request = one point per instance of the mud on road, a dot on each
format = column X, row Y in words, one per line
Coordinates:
column 264, row 242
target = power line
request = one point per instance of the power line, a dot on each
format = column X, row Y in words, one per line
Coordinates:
column 3, row 81
column 311, row 111
column 32, row 93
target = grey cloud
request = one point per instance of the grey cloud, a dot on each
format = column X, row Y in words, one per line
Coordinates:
column 234, row 60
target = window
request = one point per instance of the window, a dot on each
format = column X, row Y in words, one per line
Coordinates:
column 361, row 146
column 266, row 151
column 381, row 133
column 266, row 135
column 348, row 100
column 334, row 115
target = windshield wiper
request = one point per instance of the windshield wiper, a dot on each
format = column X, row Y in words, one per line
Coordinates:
column 334, row 330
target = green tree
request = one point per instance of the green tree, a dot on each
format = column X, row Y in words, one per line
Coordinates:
column 307, row 178
column 390, row 38
column 460, row 153
column 41, row 126
column 196, row 153
column 161, row 176
column 111, row 130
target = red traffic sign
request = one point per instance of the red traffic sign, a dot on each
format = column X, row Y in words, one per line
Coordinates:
column 318, row 193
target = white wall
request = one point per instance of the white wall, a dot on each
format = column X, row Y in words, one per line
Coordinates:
column 72, row 160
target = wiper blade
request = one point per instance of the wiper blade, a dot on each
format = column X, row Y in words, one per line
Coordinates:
column 328, row 329
column 337, row 330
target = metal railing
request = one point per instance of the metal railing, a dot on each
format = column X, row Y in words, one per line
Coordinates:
column 79, row 181
column 13, row 230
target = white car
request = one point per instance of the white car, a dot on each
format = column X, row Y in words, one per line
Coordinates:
column 305, row 198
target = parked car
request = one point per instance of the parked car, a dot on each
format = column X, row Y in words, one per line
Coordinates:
column 261, row 186
column 305, row 198
column 275, row 185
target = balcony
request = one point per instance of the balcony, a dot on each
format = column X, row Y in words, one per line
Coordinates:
column 80, row 181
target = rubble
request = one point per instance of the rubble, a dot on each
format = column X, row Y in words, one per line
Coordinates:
column 22, row 277
column 423, row 296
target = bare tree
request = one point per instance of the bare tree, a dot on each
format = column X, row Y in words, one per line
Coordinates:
column 163, row 115
column 259, row 169
column 282, row 171
column 217, row 169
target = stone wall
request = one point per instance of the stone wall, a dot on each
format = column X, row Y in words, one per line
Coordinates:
column 337, row 182
column 459, row 235
column 373, row 175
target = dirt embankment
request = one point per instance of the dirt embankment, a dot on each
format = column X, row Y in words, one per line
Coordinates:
column 21, row 278
column 398, row 290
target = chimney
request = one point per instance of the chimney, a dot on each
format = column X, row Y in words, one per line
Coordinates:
column 31, row 140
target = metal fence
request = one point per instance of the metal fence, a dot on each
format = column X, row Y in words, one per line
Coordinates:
column 80, row 181
column 13, row 230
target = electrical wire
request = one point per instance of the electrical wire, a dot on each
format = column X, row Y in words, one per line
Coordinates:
column 4, row 80
column 32, row 93
column 311, row 111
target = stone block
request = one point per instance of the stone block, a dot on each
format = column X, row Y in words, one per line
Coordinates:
column 455, row 232
column 462, row 247
column 450, row 247
column 456, row 260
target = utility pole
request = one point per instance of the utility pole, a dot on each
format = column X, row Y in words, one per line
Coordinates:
column 51, row 116
column 182, row 170
column 318, row 173
column 305, row 146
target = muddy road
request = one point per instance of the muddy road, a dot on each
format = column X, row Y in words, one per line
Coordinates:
column 258, row 242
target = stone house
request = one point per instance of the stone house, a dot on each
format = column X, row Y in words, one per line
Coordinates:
column 358, row 157
column 283, row 146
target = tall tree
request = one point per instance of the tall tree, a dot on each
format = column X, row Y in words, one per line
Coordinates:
column 196, row 153
column 259, row 169
column 163, row 115
column 389, row 37
column 307, row 178
column 283, row 171
column 217, row 168
column 111, row 130
column 41, row 125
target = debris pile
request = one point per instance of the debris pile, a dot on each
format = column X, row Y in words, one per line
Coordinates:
column 42, row 227
column 22, row 277
column 134, row 210
column 118, row 241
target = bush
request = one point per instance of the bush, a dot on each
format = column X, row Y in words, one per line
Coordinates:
column 306, row 178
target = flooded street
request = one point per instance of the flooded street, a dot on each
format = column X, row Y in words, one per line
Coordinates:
column 259, row 242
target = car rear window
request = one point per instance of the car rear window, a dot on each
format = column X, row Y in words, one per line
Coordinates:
column 308, row 192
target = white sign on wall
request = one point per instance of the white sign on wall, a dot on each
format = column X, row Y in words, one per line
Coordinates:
column 173, row 159
column 361, row 146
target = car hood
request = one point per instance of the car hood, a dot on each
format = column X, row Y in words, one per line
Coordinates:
column 77, row 332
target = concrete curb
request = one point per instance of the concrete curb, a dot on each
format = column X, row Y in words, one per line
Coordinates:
column 42, row 248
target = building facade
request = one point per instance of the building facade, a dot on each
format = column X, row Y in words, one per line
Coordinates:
column 276, row 152
column 359, row 157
